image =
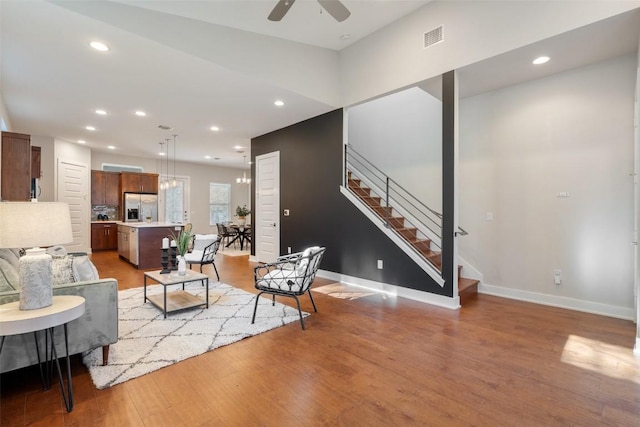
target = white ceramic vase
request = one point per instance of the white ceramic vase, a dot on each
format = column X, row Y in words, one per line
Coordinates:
column 182, row 266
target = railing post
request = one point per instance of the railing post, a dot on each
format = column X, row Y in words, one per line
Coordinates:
column 387, row 202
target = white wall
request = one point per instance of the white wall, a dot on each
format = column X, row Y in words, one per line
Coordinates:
column 394, row 57
column 47, row 182
column 402, row 135
column 201, row 176
column 519, row 147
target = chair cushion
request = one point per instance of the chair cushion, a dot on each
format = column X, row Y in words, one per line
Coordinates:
column 203, row 240
column 194, row 256
column 285, row 280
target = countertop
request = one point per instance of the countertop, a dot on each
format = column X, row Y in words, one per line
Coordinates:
column 148, row 224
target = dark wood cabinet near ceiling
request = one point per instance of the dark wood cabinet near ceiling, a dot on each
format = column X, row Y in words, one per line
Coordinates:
column 16, row 167
column 131, row 182
column 36, row 157
column 105, row 189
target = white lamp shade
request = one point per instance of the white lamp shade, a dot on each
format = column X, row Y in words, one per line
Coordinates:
column 31, row 224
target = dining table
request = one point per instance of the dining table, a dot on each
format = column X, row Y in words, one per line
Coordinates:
column 242, row 233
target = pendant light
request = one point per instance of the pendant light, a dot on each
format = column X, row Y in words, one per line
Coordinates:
column 161, row 162
column 244, row 179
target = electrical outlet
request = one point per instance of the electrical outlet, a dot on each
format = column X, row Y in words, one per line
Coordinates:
column 379, row 264
column 288, row 249
column 557, row 277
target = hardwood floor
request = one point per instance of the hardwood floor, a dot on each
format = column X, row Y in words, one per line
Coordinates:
column 374, row 361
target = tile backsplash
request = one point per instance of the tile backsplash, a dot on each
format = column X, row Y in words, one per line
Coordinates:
column 112, row 212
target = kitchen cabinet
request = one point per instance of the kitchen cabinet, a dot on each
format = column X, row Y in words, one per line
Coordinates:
column 104, row 236
column 36, row 157
column 16, row 167
column 132, row 182
column 105, row 188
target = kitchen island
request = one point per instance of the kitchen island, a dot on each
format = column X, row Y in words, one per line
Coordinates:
column 140, row 243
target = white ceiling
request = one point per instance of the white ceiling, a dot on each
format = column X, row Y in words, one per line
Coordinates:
column 195, row 64
column 187, row 64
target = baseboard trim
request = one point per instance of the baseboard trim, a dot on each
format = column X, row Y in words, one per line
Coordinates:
column 558, row 301
column 393, row 290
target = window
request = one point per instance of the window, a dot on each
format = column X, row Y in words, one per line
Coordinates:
column 219, row 202
column 174, row 203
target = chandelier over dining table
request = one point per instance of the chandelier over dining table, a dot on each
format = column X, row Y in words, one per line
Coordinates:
column 244, row 179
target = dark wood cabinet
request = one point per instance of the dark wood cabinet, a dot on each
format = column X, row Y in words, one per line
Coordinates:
column 104, row 236
column 105, row 188
column 131, row 182
column 36, row 157
column 16, row 167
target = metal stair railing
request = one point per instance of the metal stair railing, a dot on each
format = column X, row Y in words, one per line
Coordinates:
column 394, row 197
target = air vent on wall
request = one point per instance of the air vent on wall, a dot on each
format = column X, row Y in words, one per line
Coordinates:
column 434, row 36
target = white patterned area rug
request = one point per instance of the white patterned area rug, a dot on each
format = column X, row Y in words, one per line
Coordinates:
column 147, row 341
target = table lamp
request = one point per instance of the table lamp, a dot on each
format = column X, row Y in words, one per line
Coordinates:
column 34, row 224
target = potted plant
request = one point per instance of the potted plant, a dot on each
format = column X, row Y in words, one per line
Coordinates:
column 182, row 246
column 241, row 213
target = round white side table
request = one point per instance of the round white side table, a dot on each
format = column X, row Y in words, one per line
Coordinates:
column 64, row 309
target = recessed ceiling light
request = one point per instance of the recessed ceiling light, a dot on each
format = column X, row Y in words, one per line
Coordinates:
column 140, row 113
column 541, row 60
column 91, row 128
column 101, row 112
column 214, row 128
column 99, row 46
column 162, row 153
column 207, row 157
column 111, row 147
column 278, row 103
column 82, row 141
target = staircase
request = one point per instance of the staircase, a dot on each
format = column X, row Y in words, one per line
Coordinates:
column 467, row 288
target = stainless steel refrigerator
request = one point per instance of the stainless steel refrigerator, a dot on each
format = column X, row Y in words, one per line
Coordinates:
column 140, row 206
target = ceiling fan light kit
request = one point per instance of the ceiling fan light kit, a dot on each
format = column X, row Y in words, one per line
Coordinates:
column 334, row 7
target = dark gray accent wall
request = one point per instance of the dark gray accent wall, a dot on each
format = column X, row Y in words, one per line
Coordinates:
column 311, row 156
column 448, row 178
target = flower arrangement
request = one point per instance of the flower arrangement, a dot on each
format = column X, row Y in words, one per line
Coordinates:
column 243, row 211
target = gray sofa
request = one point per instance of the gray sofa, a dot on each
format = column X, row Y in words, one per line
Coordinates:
column 97, row 327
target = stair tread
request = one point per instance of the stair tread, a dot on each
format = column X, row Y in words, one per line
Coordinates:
column 465, row 283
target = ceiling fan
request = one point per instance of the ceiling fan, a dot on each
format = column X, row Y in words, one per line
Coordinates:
column 334, row 7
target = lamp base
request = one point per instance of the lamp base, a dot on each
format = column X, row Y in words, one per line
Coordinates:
column 36, row 282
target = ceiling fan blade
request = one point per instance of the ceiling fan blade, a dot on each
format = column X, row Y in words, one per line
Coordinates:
column 335, row 9
column 280, row 10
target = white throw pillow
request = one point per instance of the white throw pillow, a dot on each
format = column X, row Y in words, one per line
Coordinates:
column 304, row 259
column 62, row 270
column 83, row 269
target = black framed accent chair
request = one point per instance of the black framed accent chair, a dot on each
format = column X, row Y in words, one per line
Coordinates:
column 289, row 276
column 227, row 234
column 205, row 247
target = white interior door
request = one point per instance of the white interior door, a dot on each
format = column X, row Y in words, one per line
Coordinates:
column 267, row 215
column 73, row 187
